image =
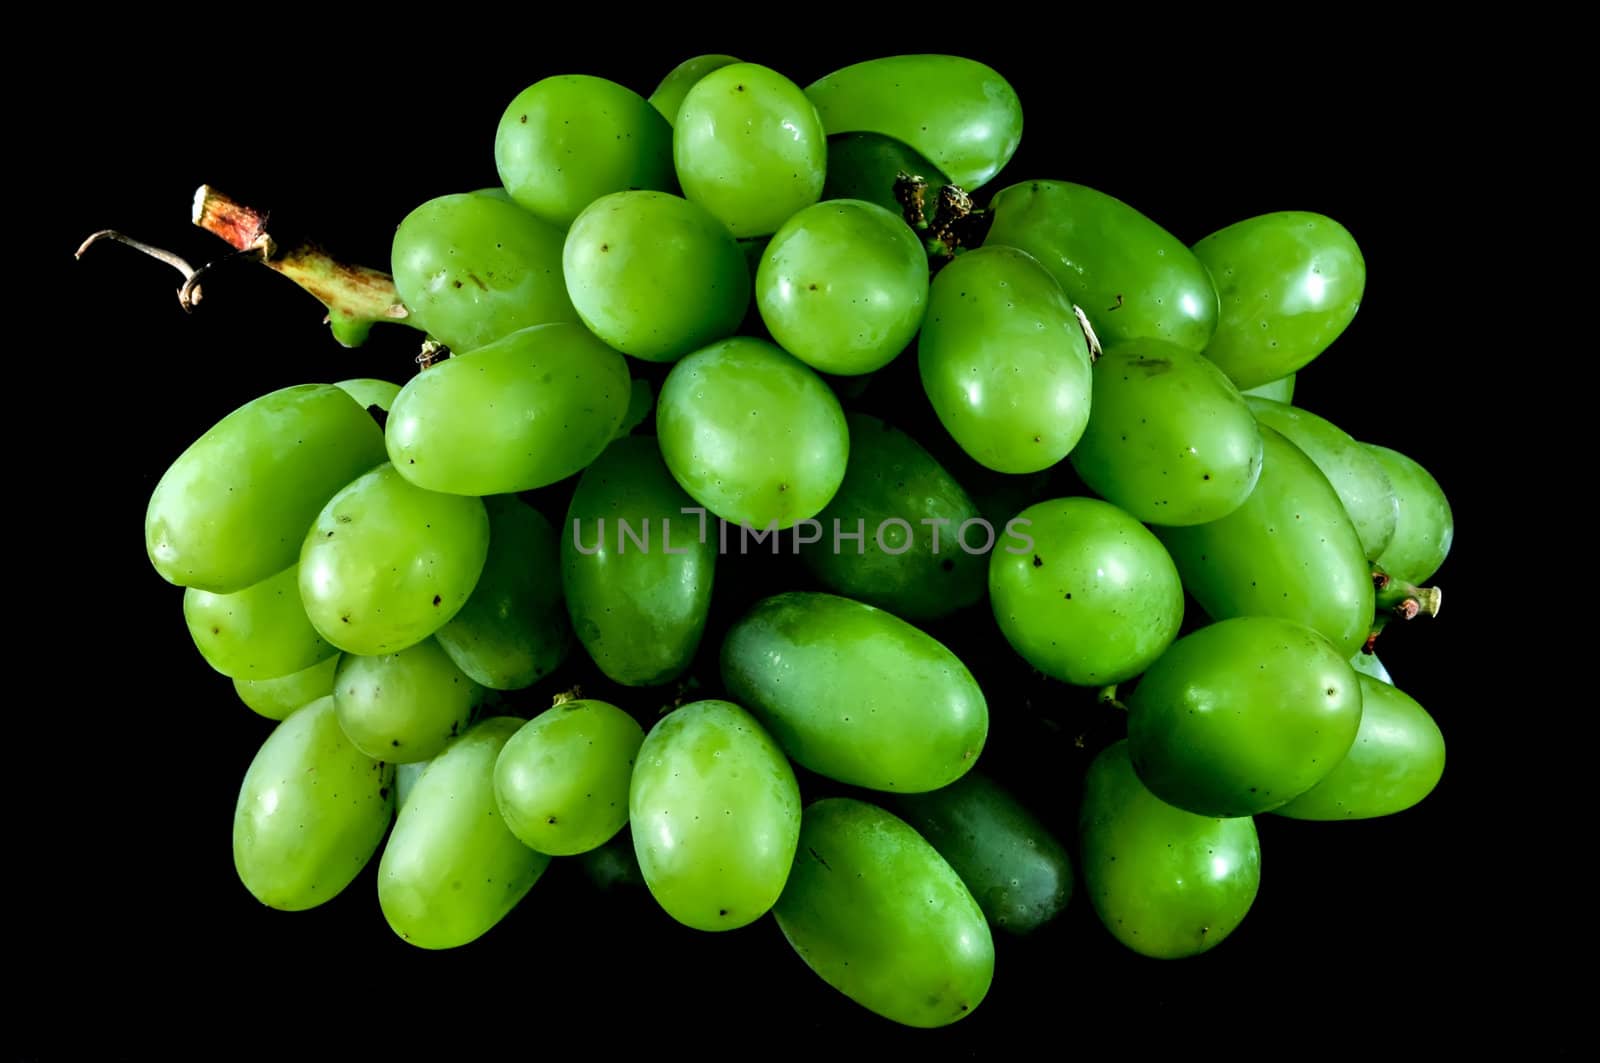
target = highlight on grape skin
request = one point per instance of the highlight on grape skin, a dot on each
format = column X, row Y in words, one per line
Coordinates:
column 745, row 314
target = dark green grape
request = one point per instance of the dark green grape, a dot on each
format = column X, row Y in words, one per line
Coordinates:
column 637, row 566
column 909, row 513
column 1019, row 874
column 866, row 165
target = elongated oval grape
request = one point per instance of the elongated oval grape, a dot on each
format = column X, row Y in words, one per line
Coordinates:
column 276, row 698
column 452, row 870
column 472, row 268
column 404, row 707
column 843, row 286
column 1017, row 871
column 1289, row 283
column 637, row 569
column 311, row 812
column 1004, row 361
column 1279, row 390
column 1166, row 883
column 749, row 148
column 909, row 514
column 1290, row 551
column 1171, row 440
column 513, row 630
column 1424, row 527
column 752, row 434
column 715, row 811
column 866, row 166
column 855, row 693
column 1353, row 472
column 668, row 96
column 1396, row 760
column 1095, row 601
column 1242, row 716
column 879, row 915
column 369, row 392
column 561, row 782
column 655, row 275
column 957, row 112
column 566, row 141
column 1134, row 280
column 260, row 632
column 386, row 564
column 233, row 508
column 525, row 411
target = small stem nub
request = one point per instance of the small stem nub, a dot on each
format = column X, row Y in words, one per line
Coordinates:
column 433, row 352
column 911, row 192
column 1403, row 599
column 566, row 695
column 1107, row 695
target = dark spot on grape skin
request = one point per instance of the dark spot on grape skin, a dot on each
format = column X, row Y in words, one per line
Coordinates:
column 947, row 565
column 1038, row 562
column 523, row 119
column 437, row 599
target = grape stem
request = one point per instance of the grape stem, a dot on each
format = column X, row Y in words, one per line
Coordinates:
column 1402, row 599
column 188, row 295
column 955, row 225
column 356, row 297
column 1107, row 695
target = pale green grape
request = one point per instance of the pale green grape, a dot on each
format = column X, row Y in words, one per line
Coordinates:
column 561, row 783
column 260, row 632
column 311, row 812
column 406, row 706
column 277, row 698
column 387, row 564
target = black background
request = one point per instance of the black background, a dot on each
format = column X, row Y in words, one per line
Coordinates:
column 133, row 925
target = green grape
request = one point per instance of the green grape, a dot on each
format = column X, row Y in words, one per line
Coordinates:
column 1396, row 760
column 1242, row 716
column 1132, row 278
column 404, row 707
column 636, row 568
column 749, row 148
column 311, row 812
column 877, row 913
column 1019, row 874
column 1290, row 551
column 386, row 564
column 369, row 392
column 1095, row 601
column 655, row 275
column 1424, row 528
column 276, row 698
column 1171, row 441
column 1166, row 883
column 523, row 412
column 1367, row 664
column 1279, row 390
column 260, row 632
column 452, row 870
column 1351, row 469
column 910, row 513
column 561, row 782
column 613, row 866
column 1289, row 283
column 233, row 508
column 715, row 811
column 472, row 268
column 566, row 141
column 405, row 780
column 1004, row 361
column 957, row 112
column 513, row 629
column 669, row 95
column 856, row 694
column 843, row 286
column 866, row 166
column 751, row 433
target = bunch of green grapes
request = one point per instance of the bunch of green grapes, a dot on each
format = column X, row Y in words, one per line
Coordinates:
column 359, row 558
